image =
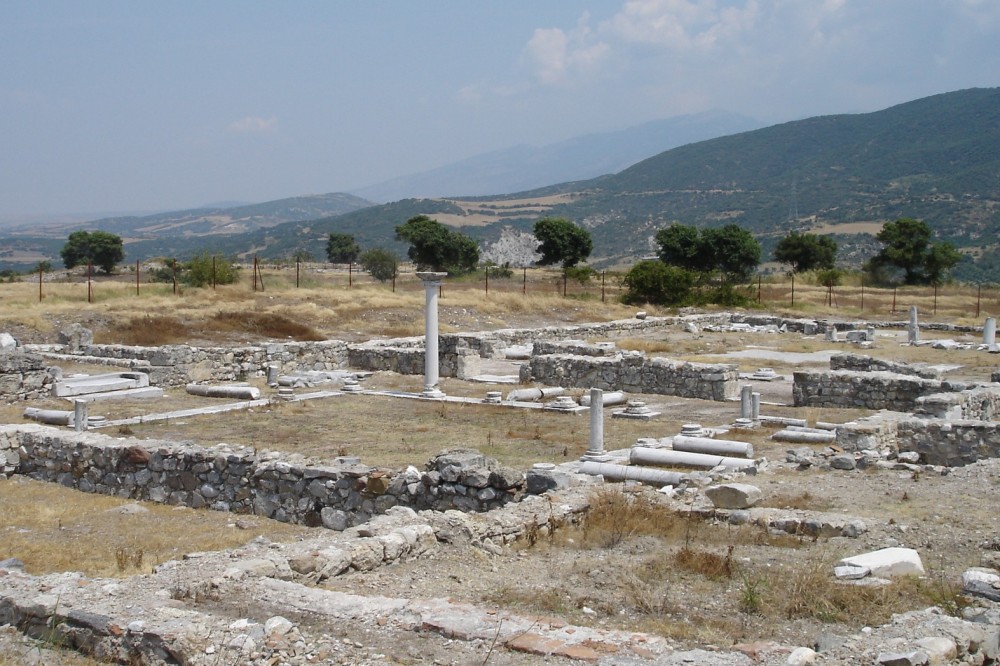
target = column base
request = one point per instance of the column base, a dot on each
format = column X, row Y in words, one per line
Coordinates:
column 595, row 457
column 433, row 393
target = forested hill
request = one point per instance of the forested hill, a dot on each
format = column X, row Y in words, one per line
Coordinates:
column 937, row 159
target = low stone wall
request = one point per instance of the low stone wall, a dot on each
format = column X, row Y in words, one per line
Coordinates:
column 865, row 390
column 950, row 443
column 635, row 373
column 25, row 377
column 176, row 365
column 947, row 442
column 862, row 363
column 242, row 480
column 406, row 356
column 980, row 403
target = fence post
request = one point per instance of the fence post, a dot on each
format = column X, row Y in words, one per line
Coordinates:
column 979, row 296
column 41, row 270
column 487, row 280
column 350, row 273
column 90, row 289
column 862, row 294
column 758, row 290
column 136, row 277
column 394, row 283
column 173, row 272
column 602, row 286
column 894, row 300
column 564, row 283
column 213, row 271
column 296, row 272
column 524, row 280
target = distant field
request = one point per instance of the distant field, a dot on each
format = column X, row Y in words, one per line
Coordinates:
column 481, row 213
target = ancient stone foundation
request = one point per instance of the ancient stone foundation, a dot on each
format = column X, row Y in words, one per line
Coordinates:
column 850, row 389
column 25, row 376
column 633, row 372
column 283, row 487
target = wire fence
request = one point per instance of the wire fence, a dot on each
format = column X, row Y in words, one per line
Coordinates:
column 953, row 301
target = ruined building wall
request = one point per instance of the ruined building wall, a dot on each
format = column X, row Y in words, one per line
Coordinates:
column 865, row 390
column 25, row 377
column 242, row 480
column 862, row 363
column 635, row 373
column 176, row 365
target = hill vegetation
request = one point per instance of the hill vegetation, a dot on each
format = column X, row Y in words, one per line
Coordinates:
column 935, row 159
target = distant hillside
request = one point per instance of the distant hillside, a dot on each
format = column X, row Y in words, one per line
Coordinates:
column 936, row 159
column 524, row 168
column 178, row 233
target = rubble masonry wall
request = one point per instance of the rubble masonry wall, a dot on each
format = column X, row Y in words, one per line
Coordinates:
column 850, row 389
column 242, row 480
column 635, row 373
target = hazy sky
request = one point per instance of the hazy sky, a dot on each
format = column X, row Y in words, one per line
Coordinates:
column 142, row 105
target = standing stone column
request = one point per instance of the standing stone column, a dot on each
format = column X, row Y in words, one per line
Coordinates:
column 595, row 449
column 746, row 393
column 80, row 415
column 990, row 331
column 913, row 331
column 755, row 406
column 432, row 282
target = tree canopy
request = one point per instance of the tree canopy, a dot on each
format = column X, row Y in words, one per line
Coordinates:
column 342, row 248
column 100, row 248
column 380, row 263
column 435, row 247
column 562, row 242
column 907, row 247
column 730, row 250
column 806, row 252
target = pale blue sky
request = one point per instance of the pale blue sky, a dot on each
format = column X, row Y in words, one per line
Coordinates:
column 140, row 105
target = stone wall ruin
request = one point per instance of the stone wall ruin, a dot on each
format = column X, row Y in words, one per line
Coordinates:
column 242, row 480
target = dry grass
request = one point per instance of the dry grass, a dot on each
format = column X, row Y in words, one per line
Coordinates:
column 356, row 425
column 39, row 520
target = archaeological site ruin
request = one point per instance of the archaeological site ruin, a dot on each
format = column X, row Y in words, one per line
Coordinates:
column 724, row 488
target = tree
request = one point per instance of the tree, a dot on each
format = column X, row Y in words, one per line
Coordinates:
column 100, row 248
column 199, row 271
column 729, row 250
column 907, row 247
column 733, row 250
column 342, row 249
column 562, row 242
column 435, row 247
column 657, row 283
column 806, row 252
column 680, row 245
column 380, row 263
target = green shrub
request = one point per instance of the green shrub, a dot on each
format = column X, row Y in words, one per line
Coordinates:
column 655, row 282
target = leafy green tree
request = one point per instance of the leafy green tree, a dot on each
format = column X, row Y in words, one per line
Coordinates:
column 562, row 242
column 907, row 247
column 657, row 283
column 730, row 250
column 380, row 263
column 198, row 271
column 733, row 250
column 100, row 248
column 342, row 249
column 941, row 258
column 806, row 252
column 435, row 247
column 681, row 246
